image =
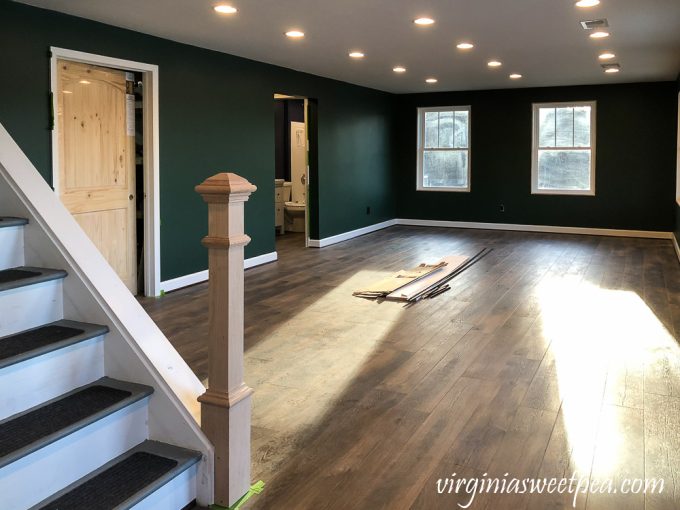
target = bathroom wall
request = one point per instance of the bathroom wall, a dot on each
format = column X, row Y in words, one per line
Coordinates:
column 285, row 112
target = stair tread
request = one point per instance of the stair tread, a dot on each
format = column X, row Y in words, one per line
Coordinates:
column 27, row 275
column 11, row 221
column 124, row 481
column 35, row 428
column 47, row 338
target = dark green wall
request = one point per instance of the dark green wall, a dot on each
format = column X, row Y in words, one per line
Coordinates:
column 216, row 114
column 635, row 162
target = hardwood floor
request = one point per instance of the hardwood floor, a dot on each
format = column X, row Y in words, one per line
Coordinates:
column 554, row 355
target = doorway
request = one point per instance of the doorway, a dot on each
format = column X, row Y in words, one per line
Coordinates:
column 295, row 138
column 105, row 159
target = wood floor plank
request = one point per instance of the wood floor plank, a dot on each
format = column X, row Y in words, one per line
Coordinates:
column 662, row 450
column 545, row 354
column 619, row 456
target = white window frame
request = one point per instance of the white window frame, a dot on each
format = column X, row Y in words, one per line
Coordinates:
column 534, row 148
column 421, row 147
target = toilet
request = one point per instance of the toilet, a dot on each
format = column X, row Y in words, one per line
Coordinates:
column 295, row 209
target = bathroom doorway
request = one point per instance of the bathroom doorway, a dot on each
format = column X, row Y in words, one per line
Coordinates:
column 293, row 168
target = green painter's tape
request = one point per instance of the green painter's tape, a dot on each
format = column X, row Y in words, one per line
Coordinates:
column 256, row 488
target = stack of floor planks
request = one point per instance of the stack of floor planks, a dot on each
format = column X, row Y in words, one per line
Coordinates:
column 383, row 288
column 422, row 282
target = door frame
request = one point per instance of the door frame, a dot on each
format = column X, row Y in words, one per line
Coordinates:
column 307, row 202
column 307, row 172
column 151, row 163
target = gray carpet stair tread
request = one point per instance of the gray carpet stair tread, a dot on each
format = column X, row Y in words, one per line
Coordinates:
column 11, row 221
column 124, row 481
column 23, row 276
column 35, row 428
column 35, row 342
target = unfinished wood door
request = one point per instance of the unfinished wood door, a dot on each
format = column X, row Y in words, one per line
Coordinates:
column 96, row 179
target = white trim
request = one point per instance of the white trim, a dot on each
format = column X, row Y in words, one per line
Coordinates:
column 202, row 276
column 548, row 229
column 152, row 222
column 260, row 259
column 535, row 148
column 675, row 245
column 327, row 241
column 307, row 186
column 421, row 147
column 652, row 234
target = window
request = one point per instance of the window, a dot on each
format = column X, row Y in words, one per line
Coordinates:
column 564, row 149
column 444, row 148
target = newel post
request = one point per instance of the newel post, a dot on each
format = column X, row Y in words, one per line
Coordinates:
column 226, row 404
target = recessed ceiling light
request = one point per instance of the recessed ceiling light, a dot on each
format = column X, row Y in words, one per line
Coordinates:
column 515, row 76
column 431, row 80
column 494, row 63
column 423, row 21
column 600, row 34
column 84, row 82
column 295, row 34
column 356, row 54
column 399, row 69
column 465, row 46
column 587, row 3
column 606, row 56
column 612, row 70
column 225, row 9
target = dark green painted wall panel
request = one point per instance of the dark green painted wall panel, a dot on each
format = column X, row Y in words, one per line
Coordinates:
column 635, row 165
column 216, row 114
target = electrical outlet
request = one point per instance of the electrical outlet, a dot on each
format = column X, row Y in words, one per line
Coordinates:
column 368, row 209
column 502, row 208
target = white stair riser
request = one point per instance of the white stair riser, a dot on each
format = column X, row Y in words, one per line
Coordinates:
column 11, row 247
column 176, row 494
column 37, row 476
column 45, row 377
column 30, row 306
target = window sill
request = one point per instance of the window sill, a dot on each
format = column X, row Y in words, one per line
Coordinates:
column 454, row 190
column 564, row 192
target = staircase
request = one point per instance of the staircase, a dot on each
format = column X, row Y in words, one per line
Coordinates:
column 72, row 438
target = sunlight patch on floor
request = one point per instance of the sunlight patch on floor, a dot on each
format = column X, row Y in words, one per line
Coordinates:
column 607, row 345
column 333, row 338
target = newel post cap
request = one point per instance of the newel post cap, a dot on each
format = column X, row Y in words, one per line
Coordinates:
column 225, row 184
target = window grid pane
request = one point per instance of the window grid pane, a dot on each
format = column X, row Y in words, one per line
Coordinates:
column 564, row 170
column 446, row 130
column 445, row 169
column 431, row 129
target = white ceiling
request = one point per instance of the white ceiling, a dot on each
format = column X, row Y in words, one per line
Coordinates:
column 541, row 39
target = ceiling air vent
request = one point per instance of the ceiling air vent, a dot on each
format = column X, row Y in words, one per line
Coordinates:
column 592, row 24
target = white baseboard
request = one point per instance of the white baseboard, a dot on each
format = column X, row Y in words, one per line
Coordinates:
column 202, row 276
column 538, row 228
column 260, row 259
column 327, row 241
column 675, row 245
